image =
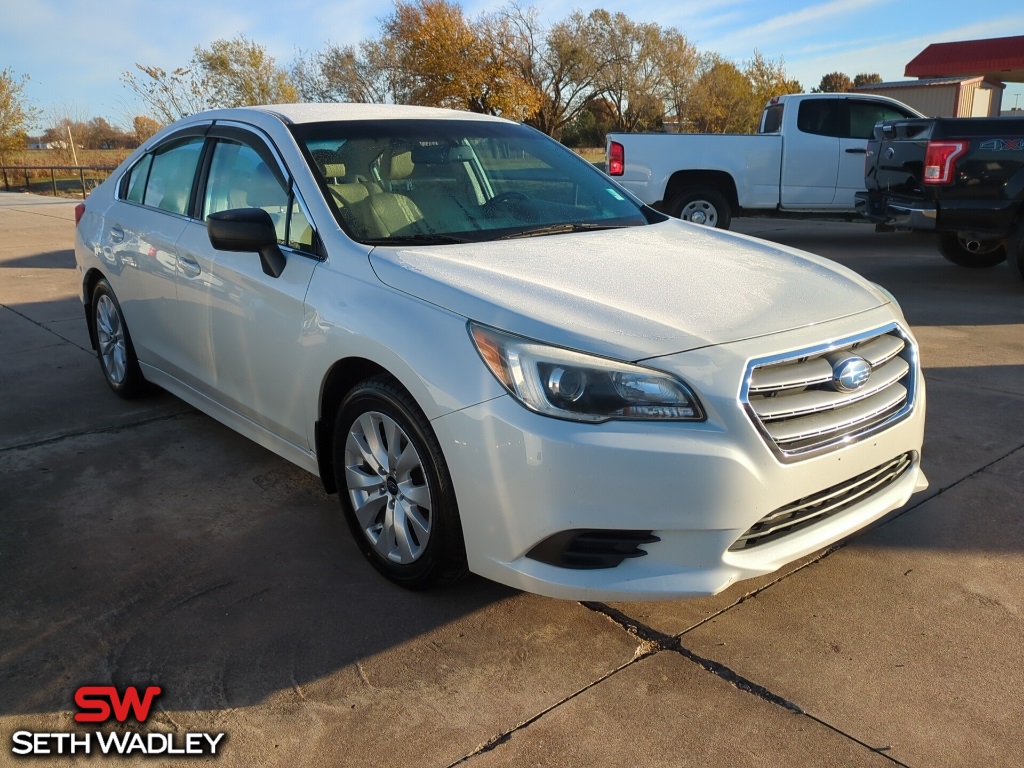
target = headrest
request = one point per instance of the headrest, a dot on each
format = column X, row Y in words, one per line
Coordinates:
column 401, row 165
column 334, row 170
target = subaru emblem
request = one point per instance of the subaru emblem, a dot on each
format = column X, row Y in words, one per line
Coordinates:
column 851, row 373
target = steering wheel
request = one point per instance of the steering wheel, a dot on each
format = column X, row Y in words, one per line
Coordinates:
column 490, row 209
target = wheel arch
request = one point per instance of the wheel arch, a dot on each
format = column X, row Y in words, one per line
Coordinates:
column 337, row 382
column 680, row 181
column 92, row 277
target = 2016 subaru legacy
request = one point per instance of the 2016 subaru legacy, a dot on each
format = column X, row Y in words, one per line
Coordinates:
column 501, row 360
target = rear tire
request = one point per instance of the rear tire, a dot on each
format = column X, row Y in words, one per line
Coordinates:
column 702, row 205
column 953, row 248
column 114, row 347
column 395, row 487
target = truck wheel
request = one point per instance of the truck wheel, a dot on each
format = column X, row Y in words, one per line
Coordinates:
column 1015, row 249
column 701, row 205
column 987, row 254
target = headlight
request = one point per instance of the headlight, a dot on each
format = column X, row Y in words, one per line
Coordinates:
column 571, row 385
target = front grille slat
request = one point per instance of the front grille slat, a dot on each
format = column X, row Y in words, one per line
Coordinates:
column 801, row 408
column 817, row 400
column 837, row 420
column 820, row 506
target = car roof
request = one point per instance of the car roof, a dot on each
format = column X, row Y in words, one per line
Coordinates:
column 330, row 112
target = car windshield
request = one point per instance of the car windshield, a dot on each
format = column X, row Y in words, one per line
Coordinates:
column 421, row 182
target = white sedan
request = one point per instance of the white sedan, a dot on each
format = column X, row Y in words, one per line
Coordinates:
column 500, row 359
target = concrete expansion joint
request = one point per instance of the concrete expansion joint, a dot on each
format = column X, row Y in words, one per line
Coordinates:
column 98, row 431
column 47, row 329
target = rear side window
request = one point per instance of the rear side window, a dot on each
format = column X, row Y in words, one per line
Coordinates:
column 137, row 179
column 864, row 115
column 170, row 178
column 821, row 117
column 772, row 119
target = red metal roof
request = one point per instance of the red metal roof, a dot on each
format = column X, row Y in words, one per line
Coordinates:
column 998, row 58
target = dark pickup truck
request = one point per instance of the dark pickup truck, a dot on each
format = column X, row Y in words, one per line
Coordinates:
column 962, row 178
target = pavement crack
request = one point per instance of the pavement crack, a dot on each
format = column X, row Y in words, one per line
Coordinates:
column 98, row 431
column 199, row 594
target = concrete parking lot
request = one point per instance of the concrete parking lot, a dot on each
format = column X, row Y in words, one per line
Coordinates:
column 145, row 544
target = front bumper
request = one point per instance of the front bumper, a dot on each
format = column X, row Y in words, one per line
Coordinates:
column 521, row 478
column 895, row 212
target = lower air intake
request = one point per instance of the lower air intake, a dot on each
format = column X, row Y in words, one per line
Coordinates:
column 587, row 549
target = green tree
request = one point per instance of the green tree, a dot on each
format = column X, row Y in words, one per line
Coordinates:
column 865, row 78
column 834, row 82
column 16, row 114
column 240, row 73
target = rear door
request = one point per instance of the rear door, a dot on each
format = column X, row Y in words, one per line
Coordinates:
column 810, row 154
column 139, row 245
column 859, row 125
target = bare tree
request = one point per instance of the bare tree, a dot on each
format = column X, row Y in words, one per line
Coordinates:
column 170, row 95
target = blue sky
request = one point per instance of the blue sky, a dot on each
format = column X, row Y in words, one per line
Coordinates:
column 75, row 50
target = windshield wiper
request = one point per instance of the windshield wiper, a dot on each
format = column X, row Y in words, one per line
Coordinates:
column 562, row 229
column 420, row 239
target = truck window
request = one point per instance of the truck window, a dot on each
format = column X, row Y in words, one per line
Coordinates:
column 821, row 117
column 772, row 122
column 864, row 115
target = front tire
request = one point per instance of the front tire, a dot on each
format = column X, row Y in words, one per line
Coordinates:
column 702, row 205
column 114, row 347
column 395, row 487
column 954, row 249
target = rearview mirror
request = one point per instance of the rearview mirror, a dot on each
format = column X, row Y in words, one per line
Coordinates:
column 247, row 230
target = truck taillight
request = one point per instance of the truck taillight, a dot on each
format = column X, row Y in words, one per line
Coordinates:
column 940, row 161
column 616, row 159
column 79, row 212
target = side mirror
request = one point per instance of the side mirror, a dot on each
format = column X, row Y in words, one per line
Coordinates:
column 247, row 230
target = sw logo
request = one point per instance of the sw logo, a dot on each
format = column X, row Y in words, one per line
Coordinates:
column 97, row 702
column 103, row 703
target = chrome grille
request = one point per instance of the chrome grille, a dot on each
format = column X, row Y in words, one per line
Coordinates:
column 801, row 408
column 824, row 504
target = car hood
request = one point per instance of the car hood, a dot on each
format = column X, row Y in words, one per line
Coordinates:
column 632, row 293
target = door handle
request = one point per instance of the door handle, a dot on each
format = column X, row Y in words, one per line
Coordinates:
column 116, row 234
column 189, row 266
column 855, row 151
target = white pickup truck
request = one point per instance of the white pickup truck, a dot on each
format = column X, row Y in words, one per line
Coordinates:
column 808, row 157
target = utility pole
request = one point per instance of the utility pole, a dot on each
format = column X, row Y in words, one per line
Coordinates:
column 74, row 152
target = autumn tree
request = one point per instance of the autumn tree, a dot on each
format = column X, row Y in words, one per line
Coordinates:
column 722, row 98
column 143, row 128
column 834, row 82
column 16, row 114
column 866, row 78
column 635, row 79
column 443, row 59
column 240, row 73
column 768, row 79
